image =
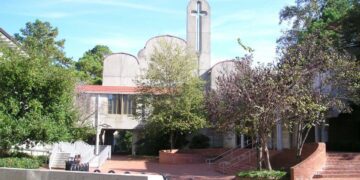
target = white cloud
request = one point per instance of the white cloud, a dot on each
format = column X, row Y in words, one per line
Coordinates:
column 50, row 15
column 234, row 17
column 116, row 43
column 265, row 51
column 54, row 15
column 116, row 3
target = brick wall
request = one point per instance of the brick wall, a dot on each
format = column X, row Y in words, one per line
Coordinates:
column 188, row 155
column 308, row 167
column 32, row 174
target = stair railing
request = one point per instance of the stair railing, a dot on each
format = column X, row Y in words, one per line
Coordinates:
column 228, row 153
column 236, row 160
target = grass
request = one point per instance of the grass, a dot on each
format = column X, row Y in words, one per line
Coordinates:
column 263, row 174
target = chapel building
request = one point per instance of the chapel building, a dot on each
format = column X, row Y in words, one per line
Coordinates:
column 110, row 106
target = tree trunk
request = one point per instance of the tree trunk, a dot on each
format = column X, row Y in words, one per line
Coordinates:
column 299, row 141
column 301, row 144
column 267, row 156
column 259, row 156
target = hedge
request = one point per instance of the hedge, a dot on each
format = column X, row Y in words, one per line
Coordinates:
column 263, row 174
column 25, row 163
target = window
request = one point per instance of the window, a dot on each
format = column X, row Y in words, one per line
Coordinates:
column 121, row 104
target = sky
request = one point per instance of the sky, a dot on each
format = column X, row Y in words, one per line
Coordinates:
column 126, row 25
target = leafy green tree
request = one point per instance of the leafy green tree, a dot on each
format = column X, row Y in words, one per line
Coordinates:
column 39, row 40
column 317, row 48
column 318, row 80
column 172, row 93
column 90, row 66
column 37, row 92
column 335, row 20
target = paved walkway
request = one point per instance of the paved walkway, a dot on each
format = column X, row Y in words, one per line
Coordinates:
column 122, row 164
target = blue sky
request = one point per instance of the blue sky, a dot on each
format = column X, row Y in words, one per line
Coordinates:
column 125, row 25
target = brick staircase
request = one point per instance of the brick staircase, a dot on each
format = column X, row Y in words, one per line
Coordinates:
column 341, row 166
column 242, row 159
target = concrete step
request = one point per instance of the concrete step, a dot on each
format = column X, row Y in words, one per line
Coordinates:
column 342, row 153
column 338, row 176
column 341, row 166
column 347, row 171
column 344, row 159
column 343, row 162
column 334, row 164
column 323, row 178
column 354, row 168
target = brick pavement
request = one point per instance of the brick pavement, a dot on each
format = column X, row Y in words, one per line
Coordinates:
column 123, row 164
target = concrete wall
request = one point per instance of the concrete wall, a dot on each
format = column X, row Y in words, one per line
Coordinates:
column 219, row 69
column 30, row 174
column 106, row 120
column 120, row 69
column 144, row 55
column 115, row 121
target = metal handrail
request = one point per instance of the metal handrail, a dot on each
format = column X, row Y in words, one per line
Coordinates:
column 229, row 152
column 247, row 155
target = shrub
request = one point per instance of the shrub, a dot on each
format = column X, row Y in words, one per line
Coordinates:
column 199, row 141
column 24, row 162
column 263, row 174
column 42, row 159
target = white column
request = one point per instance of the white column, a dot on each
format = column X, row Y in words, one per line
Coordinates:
column 242, row 141
column 97, row 125
column 229, row 140
column 133, row 142
column 279, row 144
column 323, row 133
column 316, row 133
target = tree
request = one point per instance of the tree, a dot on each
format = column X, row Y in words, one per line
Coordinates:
column 90, row 66
column 172, row 93
column 317, row 50
column 248, row 100
column 335, row 20
column 38, row 39
column 317, row 80
column 37, row 95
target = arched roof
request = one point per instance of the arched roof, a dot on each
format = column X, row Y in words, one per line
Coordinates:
column 158, row 37
column 122, row 53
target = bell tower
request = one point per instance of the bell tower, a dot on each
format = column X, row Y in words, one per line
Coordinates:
column 199, row 31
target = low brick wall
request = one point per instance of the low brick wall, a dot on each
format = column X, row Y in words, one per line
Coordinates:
column 175, row 157
column 309, row 166
column 34, row 174
column 209, row 152
column 188, row 156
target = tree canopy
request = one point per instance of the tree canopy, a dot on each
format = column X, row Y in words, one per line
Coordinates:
column 39, row 40
column 336, row 20
column 37, row 90
column 172, row 93
column 318, row 60
column 90, row 66
column 248, row 100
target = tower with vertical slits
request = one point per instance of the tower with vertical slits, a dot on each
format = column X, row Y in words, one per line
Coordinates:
column 199, row 31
